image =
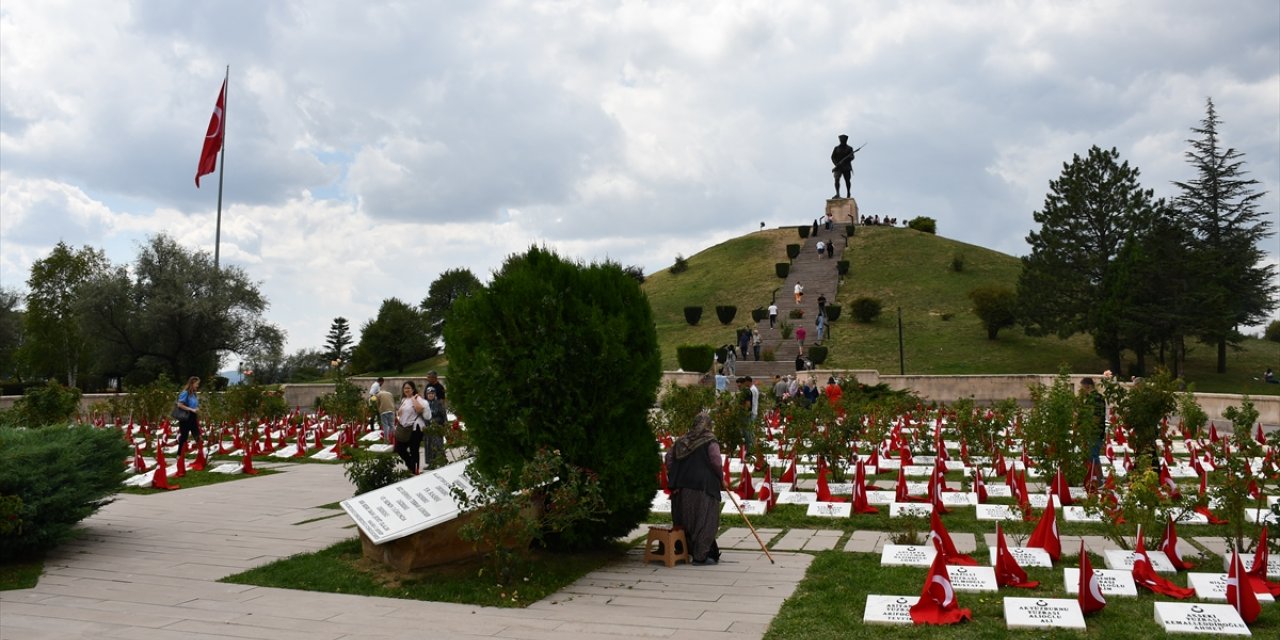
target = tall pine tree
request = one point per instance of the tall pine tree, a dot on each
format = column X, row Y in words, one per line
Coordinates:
column 338, row 342
column 1070, row 276
column 1221, row 207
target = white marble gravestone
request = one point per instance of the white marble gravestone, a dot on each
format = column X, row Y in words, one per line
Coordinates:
column 881, row 497
column 1213, row 586
column 1080, row 514
column 972, row 579
column 830, row 509
column 959, row 499
column 1212, row 619
column 901, row 555
column 993, row 512
column 749, row 507
column 661, row 502
column 411, row 505
column 840, row 488
column 797, row 497
column 910, row 509
column 1112, row 582
column 997, row 490
column 1043, row 613
column 1026, row 556
column 1123, row 560
column 1273, row 564
column 888, row 609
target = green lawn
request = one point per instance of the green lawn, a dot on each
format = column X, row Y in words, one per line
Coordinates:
column 21, row 575
column 195, row 479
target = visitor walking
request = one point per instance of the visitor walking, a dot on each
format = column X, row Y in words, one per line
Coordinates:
column 411, row 417
column 433, row 454
column 386, row 407
column 755, row 344
column 800, row 334
column 799, row 293
column 189, row 424
column 773, row 314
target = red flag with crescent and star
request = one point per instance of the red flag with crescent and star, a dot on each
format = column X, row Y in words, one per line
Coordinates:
column 1090, row 596
column 213, row 137
column 937, row 603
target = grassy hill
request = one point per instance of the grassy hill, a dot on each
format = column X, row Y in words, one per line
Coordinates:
column 912, row 270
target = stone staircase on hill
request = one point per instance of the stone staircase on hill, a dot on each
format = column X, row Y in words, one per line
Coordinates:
column 819, row 277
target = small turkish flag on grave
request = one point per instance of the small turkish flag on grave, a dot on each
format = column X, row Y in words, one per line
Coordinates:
column 860, row 504
column 746, row 487
column 201, row 461
column 1008, row 572
column 979, row 487
column 662, row 479
column 1145, row 576
column 161, row 478
column 789, row 476
column 1046, row 534
column 942, row 542
column 1060, row 488
column 937, row 603
column 1259, row 571
column 1169, row 545
column 1090, row 596
column 1240, row 592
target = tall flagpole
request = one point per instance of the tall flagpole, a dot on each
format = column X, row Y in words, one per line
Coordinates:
column 222, row 169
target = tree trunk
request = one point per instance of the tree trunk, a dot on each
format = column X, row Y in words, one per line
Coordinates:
column 1222, row 355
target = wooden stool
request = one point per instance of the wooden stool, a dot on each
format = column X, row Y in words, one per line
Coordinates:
column 667, row 538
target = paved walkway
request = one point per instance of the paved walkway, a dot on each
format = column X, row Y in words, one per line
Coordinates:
column 147, row 568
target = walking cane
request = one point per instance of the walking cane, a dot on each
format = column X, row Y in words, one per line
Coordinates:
column 753, row 529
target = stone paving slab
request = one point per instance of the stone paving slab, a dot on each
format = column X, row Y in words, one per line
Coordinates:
column 741, row 538
column 146, row 568
column 809, row 540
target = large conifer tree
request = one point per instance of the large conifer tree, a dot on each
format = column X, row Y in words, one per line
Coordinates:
column 1221, row 207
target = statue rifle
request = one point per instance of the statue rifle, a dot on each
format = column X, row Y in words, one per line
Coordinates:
column 846, row 158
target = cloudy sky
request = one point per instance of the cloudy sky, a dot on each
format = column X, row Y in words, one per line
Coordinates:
column 372, row 145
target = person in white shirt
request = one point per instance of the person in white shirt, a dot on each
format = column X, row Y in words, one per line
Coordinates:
column 773, row 314
column 375, row 388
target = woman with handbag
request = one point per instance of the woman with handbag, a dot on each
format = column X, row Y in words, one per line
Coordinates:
column 186, row 410
column 411, row 417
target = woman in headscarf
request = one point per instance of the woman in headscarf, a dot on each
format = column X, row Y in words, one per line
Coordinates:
column 695, row 476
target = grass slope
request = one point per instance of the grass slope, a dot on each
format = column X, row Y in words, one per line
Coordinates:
column 912, row 270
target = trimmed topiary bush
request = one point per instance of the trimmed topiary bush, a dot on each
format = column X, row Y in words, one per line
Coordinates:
column 957, row 262
column 793, row 251
column 849, row 230
column 726, row 313
column 782, row 269
column 795, row 313
column 51, row 479
column 759, row 314
column 866, row 309
column 833, row 312
column 817, row 354
column 804, row 230
column 692, row 315
column 695, row 357
column 842, row 267
column 527, row 354
column 924, row 224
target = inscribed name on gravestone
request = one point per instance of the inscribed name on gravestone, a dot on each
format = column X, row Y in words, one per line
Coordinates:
column 903, row 555
column 997, row 512
column 881, row 497
column 661, row 502
column 830, row 509
column 959, row 499
column 972, row 579
column 797, row 497
column 1216, row 619
column 998, row 490
column 1026, row 556
column 910, row 509
column 1112, row 582
column 1213, row 586
column 888, row 610
column 749, row 507
column 1080, row 514
column 1123, row 560
column 1043, row 613
column 411, row 505
column 1273, row 564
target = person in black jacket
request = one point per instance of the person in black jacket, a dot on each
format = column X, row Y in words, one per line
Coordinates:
column 695, row 476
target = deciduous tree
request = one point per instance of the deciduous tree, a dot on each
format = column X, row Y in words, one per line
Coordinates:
column 58, row 342
column 451, row 286
column 395, row 338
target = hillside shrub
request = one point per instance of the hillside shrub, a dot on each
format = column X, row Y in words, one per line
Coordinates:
column 346, row 400
column 768, row 355
column 795, row 313
column 785, row 329
column 369, row 470
column 759, row 314
column 677, row 407
column 924, row 224
column 526, row 357
column 1272, row 332
column 833, row 312
column 681, row 265
column 782, row 269
column 793, row 251
column 695, row 357
column 47, row 405
column 996, row 307
column 804, row 230
column 817, row 354
column 726, row 313
column 866, row 309
column 51, row 479
column 692, row 315
column 842, row 267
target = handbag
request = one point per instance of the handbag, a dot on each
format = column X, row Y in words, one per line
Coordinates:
column 179, row 413
column 403, row 433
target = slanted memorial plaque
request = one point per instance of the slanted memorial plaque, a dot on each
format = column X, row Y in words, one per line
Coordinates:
column 1213, row 586
column 409, row 506
column 1123, row 560
column 910, row 509
column 797, row 497
column 888, row 610
column 972, row 579
column 1112, row 582
column 901, row 555
column 1215, row 619
column 830, row 509
column 1026, row 556
column 1273, row 564
column 994, row 512
column 1043, row 613
column 1080, row 514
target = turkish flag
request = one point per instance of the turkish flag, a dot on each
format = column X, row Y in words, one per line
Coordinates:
column 937, row 603
column 860, row 504
column 789, row 476
column 1145, row 576
column 1259, row 571
column 979, row 486
column 1046, row 534
column 1090, row 596
column 766, row 493
column 746, row 486
column 213, row 137
column 1008, row 572
column 942, row 541
column 1060, row 488
column 1240, row 592
column 1169, row 545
